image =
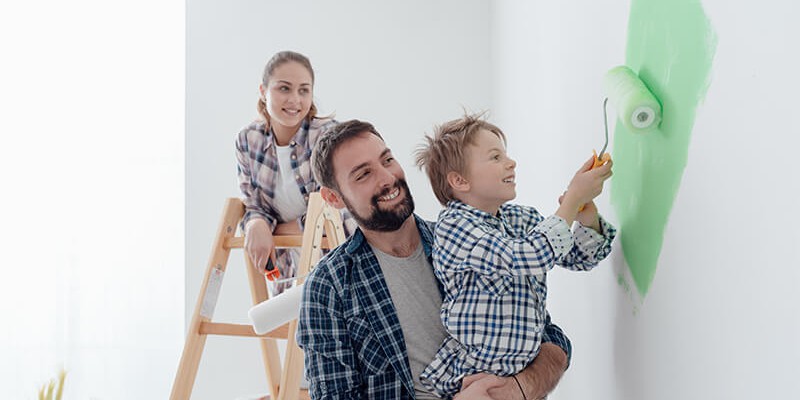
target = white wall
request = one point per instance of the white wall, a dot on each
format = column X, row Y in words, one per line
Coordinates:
column 722, row 317
column 92, row 168
column 402, row 66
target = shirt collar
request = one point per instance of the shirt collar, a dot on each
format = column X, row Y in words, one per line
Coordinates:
column 300, row 137
column 476, row 213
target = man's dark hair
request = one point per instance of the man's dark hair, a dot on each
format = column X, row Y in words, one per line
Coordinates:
column 322, row 157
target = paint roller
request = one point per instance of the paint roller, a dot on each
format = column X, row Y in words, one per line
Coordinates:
column 271, row 314
column 637, row 108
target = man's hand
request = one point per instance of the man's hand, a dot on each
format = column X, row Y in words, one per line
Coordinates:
column 488, row 387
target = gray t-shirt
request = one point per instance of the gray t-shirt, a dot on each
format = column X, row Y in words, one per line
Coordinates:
column 417, row 300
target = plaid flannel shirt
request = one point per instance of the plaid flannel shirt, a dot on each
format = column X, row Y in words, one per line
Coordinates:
column 257, row 166
column 493, row 271
column 349, row 330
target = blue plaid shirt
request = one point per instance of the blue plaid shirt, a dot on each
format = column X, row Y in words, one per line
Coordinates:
column 349, row 330
column 493, row 270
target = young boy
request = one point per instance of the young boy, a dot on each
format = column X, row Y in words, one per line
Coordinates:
column 492, row 257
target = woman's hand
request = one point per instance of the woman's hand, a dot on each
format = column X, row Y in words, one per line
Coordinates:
column 258, row 243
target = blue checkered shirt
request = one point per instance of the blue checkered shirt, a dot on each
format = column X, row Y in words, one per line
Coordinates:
column 349, row 330
column 493, row 270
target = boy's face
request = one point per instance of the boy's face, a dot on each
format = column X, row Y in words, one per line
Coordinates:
column 490, row 173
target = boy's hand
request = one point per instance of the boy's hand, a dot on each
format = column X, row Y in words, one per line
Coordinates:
column 587, row 182
column 588, row 216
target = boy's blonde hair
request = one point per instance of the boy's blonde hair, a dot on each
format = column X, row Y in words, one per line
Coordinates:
column 444, row 152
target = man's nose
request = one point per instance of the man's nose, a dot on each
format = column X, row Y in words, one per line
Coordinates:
column 385, row 177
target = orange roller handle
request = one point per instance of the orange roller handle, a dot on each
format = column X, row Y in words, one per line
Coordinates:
column 271, row 272
column 598, row 161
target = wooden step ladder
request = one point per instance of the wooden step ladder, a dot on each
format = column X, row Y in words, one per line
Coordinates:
column 320, row 218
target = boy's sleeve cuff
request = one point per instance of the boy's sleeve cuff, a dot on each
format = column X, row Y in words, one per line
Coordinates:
column 557, row 232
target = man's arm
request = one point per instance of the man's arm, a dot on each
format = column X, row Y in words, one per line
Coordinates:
column 322, row 334
column 542, row 376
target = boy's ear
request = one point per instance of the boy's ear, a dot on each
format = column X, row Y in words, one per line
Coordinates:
column 457, row 182
column 331, row 197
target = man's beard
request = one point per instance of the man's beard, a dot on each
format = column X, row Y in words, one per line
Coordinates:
column 385, row 220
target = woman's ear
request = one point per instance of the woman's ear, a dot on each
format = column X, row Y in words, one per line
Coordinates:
column 457, row 182
column 331, row 197
column 262, row 90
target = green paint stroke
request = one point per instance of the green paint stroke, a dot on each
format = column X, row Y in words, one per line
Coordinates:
column 671, row 46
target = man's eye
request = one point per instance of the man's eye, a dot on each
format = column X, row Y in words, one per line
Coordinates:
column 362, row 175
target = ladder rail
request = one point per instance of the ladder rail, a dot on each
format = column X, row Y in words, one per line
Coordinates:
column 283, row 382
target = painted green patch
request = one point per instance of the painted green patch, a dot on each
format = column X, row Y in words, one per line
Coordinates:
column 671, row 46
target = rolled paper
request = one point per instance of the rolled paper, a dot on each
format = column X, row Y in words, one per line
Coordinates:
column 638, row 109
column 272, row 313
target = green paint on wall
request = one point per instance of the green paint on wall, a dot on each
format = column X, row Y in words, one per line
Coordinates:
column 671, row 46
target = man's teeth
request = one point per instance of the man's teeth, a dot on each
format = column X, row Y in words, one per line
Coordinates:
column 390, row 196
column 508, row 180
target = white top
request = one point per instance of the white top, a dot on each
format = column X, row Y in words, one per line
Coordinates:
column 288, row 201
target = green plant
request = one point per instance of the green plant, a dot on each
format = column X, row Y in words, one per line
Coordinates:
column 46, row 391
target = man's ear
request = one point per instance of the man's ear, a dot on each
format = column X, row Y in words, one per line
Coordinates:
column 331, row 197
column 457, row 182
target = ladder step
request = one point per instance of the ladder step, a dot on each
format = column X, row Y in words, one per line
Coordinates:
column 225, row 329
column 237, row 242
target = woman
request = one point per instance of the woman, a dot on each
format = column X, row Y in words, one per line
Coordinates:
column 274, row 154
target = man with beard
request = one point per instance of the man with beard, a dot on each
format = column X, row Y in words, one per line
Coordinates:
column 369, row 321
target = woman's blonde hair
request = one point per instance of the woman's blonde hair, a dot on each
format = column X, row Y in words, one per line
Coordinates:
column 276, row 61
column 444, row 152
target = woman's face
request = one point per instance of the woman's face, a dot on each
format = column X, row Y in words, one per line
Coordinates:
column 289, row 94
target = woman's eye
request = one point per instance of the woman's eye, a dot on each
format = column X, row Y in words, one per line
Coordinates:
column 284, row 88
column 304, row 91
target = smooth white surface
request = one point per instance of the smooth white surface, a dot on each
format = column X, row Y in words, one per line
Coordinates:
column 91, row 210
